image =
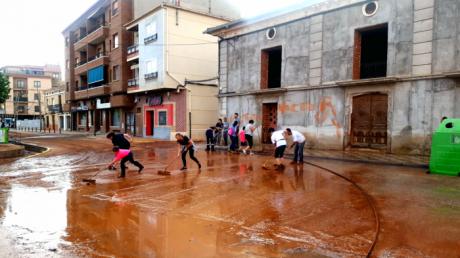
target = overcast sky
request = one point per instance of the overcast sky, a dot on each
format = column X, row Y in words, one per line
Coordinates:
column 31, row 29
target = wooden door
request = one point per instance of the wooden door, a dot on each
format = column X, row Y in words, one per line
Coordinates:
column 369, row 121
column 269, row 120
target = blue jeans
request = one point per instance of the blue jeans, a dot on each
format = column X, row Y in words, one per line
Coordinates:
column 298, row 151
column 234, row 144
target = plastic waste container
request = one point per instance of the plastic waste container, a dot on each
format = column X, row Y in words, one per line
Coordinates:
column 3, row 135
column 445, row 148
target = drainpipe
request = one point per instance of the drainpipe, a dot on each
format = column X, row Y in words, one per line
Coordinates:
column 166, row 60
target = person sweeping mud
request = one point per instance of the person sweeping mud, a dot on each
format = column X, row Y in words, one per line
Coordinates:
column 278, row 138
column 124, row 155
column 186, row 145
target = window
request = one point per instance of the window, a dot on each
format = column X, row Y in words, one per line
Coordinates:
column 116, row 117
column 67, row 41
column 271, row 60
column 162, row 118
column 36, row 96
column 37, row 84
column 83, row 119
column 67, row 64
column 116, row 73
column 152, row 66
column 21, row 84
column 370, row 52
column 37, row 109
column 115, row 41
column 115, row 6
column 151, row 28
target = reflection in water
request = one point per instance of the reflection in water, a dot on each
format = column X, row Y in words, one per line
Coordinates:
column 37, row 214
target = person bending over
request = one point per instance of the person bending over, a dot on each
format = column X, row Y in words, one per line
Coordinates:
column 123, row 156
column 186, row 145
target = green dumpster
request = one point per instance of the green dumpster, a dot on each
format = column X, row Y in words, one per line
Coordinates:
column 3, row 135
column 445, row 149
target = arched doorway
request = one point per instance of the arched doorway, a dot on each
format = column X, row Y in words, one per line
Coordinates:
column 369, row 121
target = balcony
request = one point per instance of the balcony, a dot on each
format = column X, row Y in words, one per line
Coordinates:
column 88, row 93
column 121, row 101
column 21, row 99
column 133, row 83
column 93, row 37
column 92, row 62
column 151, row 76
column 55, row 108
column 133, row 52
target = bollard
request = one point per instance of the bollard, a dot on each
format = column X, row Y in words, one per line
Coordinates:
column 60, row 130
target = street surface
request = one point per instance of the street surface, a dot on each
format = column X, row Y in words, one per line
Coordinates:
column 231, row 208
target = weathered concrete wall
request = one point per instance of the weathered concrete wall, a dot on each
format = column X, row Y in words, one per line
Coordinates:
column 446, row 38
column 319, row 114
column 338, row 38
column 243, row 57
column 423, row 39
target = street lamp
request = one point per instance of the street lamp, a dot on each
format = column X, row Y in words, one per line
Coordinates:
column 37, row 85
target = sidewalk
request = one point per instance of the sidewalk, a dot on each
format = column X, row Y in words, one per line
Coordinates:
column 364, row 156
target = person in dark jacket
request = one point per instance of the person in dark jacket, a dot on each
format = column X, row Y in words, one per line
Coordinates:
column 186, row 145
column 123, row 141
column 210, row 138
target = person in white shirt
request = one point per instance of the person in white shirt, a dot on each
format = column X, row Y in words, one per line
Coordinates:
column 278, row 138
column 249, row 131
column 299, row 143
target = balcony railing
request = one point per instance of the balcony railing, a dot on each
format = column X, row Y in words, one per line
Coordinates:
column 97, row 56
column 55, row 108
column 151, row 38
column 133, row 49
column 21, row 99
column 151, row 76
column 80, row 63
column 91, row 31
column 133, row 82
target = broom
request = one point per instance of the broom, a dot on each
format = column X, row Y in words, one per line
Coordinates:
column 165, row 171
column 90, row 180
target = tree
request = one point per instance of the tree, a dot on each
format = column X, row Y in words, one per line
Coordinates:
column 4, row 88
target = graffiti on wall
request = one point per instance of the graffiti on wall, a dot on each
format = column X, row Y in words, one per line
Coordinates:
column 325, row 113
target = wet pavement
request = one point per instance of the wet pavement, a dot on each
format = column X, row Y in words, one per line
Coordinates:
column 231, row 208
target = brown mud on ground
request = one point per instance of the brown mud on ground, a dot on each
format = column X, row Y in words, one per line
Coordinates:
column 231, row 208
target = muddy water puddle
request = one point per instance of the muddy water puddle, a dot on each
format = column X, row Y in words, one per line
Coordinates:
column 231, row 208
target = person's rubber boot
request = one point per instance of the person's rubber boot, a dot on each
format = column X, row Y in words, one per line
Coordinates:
column 140, row 169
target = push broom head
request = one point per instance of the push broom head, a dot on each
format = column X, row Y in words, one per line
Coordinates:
column 164, row 172
column 89, row 181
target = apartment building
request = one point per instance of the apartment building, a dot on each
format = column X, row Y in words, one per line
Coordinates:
column 173, row 67
column 55, row 119
column 349, row 74
column 28, row 85
column 96, row 68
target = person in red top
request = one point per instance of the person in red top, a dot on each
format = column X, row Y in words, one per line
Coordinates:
column 124, row 156
column 243, row 141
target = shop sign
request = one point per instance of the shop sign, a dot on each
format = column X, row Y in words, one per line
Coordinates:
column 100, row 105
column 156, row 101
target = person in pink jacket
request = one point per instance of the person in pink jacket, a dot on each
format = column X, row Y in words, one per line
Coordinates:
column 124, row 156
